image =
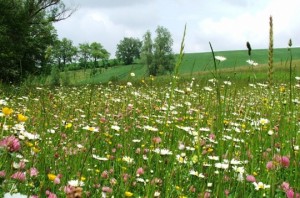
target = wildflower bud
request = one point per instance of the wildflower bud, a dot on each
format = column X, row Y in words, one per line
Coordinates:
column 250, row 178
column 285, row 161
column 20, row 176
column 11, row 143
column 227, row 192
column 2, row 174
column 270, row 165
column 290, row 43
column 107, row 189
column 104, row 174
column 156, row 140
column 289, row 193
column 249, row 48
column 33, row 172
column 56, row 180
column 285, row 186
column 140, row 171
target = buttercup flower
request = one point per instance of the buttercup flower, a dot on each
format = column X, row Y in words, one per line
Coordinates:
column 128, row 194
column 7, row 111
column 22, row 118
column 51, row 176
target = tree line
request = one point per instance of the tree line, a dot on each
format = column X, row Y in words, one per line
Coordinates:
column 156, row 54
column 29, row 44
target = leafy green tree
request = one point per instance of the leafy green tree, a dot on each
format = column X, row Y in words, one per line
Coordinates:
column 26, row 31
column 128, row 49
column 84, row 55
column 147, row 50
column 64, row 52
column 98, row 52
column 163, row 56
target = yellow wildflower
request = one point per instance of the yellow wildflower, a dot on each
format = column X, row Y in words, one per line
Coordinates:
column 195, row 159
column 128, row 194
column 68, row 125
column 82, row 178
column 29, row 144
column 36, row 150
column 22, row 118
column 51, row 176
column 243, row 126
column 226, row 122
column 7, row 111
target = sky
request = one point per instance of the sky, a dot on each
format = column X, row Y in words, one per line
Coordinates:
column 227, row 24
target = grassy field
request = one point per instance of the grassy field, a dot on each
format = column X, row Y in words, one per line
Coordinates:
column 192, row 63
column 203, row 61
column 190, row 136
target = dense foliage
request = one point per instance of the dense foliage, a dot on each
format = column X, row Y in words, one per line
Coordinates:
column 158, row 55
column 26, row 31
column 128, row 49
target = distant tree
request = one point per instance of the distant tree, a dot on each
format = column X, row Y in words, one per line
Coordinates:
column 147, row 50
column 163, row 58
column 84, row 55
column 98, row 52
column 128, row 49
column 64, row 52
column 26, row 31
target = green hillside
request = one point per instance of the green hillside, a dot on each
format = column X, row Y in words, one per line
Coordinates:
column 203, row 61
column 192, row 63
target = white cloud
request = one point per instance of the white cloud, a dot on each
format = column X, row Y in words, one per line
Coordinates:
column 228, row 24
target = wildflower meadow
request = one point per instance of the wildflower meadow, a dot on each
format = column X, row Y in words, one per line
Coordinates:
column 177, row 138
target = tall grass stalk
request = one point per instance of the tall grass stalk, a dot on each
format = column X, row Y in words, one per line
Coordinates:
column 181, row 53
column 218, row 91
column 176, row 72
column 270, row 61
column 290, row 71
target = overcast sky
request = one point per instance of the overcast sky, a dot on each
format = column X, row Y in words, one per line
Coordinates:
column 227, row 24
